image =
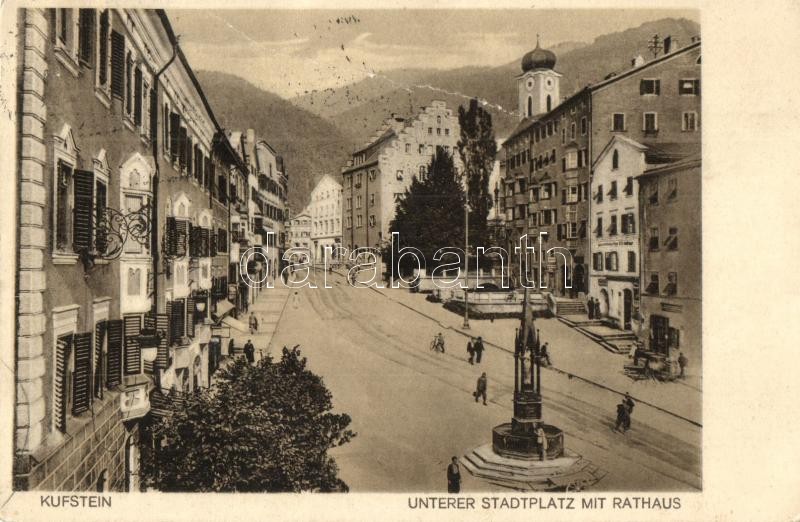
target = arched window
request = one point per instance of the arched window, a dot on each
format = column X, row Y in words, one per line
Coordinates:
column 615, row 160
column 530, row 106
column 549, row 103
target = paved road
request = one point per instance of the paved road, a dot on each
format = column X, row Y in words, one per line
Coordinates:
column 413, row 408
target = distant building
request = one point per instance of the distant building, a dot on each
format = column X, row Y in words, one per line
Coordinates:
column 546, row 182
column 379, row 173
column 671, row 243
column 298, row 232
column 326, row 218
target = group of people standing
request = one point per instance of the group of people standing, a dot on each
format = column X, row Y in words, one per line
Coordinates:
column 475, row 349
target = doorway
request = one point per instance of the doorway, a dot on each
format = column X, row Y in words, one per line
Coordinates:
column 659, row 333
column 627, row 298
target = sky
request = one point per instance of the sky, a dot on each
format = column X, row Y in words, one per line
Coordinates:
column 289, row 52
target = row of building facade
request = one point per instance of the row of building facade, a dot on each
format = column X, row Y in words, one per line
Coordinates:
column 611, row 174
column 135, row 207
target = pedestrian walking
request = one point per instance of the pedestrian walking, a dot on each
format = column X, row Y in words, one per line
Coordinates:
column 480, row 390
column 545, row 355
column 683, row 362
column 541, row 439
column 250, row 351
column 590, row 305
column 623, row 418
column 230, row 347
column 629, row 404
column 478, row 349
column 253, row 322
column 471, row 350
column 453, row 477
column 638, row 353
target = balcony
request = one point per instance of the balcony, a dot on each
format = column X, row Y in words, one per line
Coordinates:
column 135, row 401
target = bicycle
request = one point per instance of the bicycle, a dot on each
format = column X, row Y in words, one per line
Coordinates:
column 437, row 345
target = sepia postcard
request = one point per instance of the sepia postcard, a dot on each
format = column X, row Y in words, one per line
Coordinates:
column 416, row 262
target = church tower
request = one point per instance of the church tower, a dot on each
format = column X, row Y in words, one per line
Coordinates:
column 538, row 85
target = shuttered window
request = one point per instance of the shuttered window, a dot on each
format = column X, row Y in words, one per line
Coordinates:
column 102, row 61
column 162, row 325
column 99, row 357
column 133, row 352
column 114, row 363
column 137, row 97
column 205, row 238
column 174, row 135
column 182, row 236
column 100, row 202
column 189, row 151
column 62, row 381
column 171, row 237
column 83, row 210
column 86, row 35
column 182, row 148
column 177, row 321
column 117, row 64
column 212, row 243
column 190, row 304
column 129, row 84
column 196, row 247
column 82, row 375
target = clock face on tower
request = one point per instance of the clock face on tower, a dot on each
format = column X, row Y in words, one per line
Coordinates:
column 548, row 84
column 529, row 83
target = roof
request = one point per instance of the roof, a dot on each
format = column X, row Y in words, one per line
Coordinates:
column 691, row 161
column 660, row 153
column 617, row 138
column 374, row 151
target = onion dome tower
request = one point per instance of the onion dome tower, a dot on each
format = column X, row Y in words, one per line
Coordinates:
column 538, row 85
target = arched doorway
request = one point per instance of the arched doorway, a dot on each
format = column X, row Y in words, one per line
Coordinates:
column 627, row 298
column 603, row 303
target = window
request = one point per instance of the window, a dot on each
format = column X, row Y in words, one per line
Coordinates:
column 63, row 214
column 689, row 122
column 430, row 130
column 650, row 122
column 653, row 243
column 563, row 136
column 672, row 189
column 599, row 195
column 447, row 132
column 672, row 240
column 612, row 228
column 672, row 284
column 86, row 18
column 572, row 194
column 546, row 191
column 100, row 202
column 438, row 120
column 631, row 261
column 549, row 104
column 650, row 87
column 129, row 84
column 584, row 126
column 64, row 25
column 438, row 131
column 618, row 122
column 372, row 221
column 359, row 220
column 612, row 192
column 372, row 175
column 117, row 64
column 102, row 50
column 652, row 287
column 349, row 204
column 582, row 229
column 689, row 87
column 597, row 261
column 372, row 200
column 612, row 262
column 615, row 160
column 653, row 198
column 358, row 201
column 628, row 223
column 599, row 230
column 572, row 230
column 421, row 148
column 422, row 172
column 628, row 190
column 408, row 148
column 573, row 129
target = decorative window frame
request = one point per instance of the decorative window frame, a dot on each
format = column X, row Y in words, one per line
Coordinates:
column 128, row 112
column 103, row 93
column 181, row 208
column 644, row 121
column 64, row 150
column 684, row 127
column 64, row 321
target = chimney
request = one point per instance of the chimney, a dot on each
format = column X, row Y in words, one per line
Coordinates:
column 637, row 61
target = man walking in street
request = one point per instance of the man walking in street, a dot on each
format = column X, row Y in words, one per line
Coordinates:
column 480, row 391
column 471, row 350
column 253, row 323
column 629, row 404
column 683, row 362
column 478, row 347
column 250, row 352
column 623, row 418
column 453, row 477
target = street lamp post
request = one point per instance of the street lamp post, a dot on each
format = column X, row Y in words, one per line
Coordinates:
column 466, row 252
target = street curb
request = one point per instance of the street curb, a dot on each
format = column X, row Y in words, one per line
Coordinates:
column 557, row 370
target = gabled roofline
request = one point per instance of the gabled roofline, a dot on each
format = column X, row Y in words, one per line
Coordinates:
column 617, row 138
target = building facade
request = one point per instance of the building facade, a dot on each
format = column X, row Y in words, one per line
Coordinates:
column 325, row 209
column 123, row 243
column 671, row 244
column 379, row 173
column 298, row 232
column 547, row 186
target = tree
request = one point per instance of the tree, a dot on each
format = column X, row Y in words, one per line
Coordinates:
column 430, row 215
column 262, row 427
column 478, row 149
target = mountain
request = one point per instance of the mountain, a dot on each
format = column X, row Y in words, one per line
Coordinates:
column 310, row 145
column 358, row 109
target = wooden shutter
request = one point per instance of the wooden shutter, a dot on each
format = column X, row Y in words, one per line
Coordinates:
column 204, row 240
column 212, row 243
column 174, row 135
column 182, row 147
column 103, row 50
column 82, row 375
column 83, row 210
column 195, row 248
column 137, row 96
column 114, row 363
column 162, row 325
column 641, row 86
column 657, row 86
column 133, row 352
column 117, row 64
column 171, row 237
column 563, row 196
column 182, row 233
column 178, row 320
column 63, row 349
column 190, row 316
column 100, row 202
column 86, row 34
column 99, row 337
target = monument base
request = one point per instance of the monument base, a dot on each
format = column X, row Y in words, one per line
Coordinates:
column 568, row 471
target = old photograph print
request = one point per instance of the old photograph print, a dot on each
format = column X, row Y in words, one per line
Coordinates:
column 400, row 251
